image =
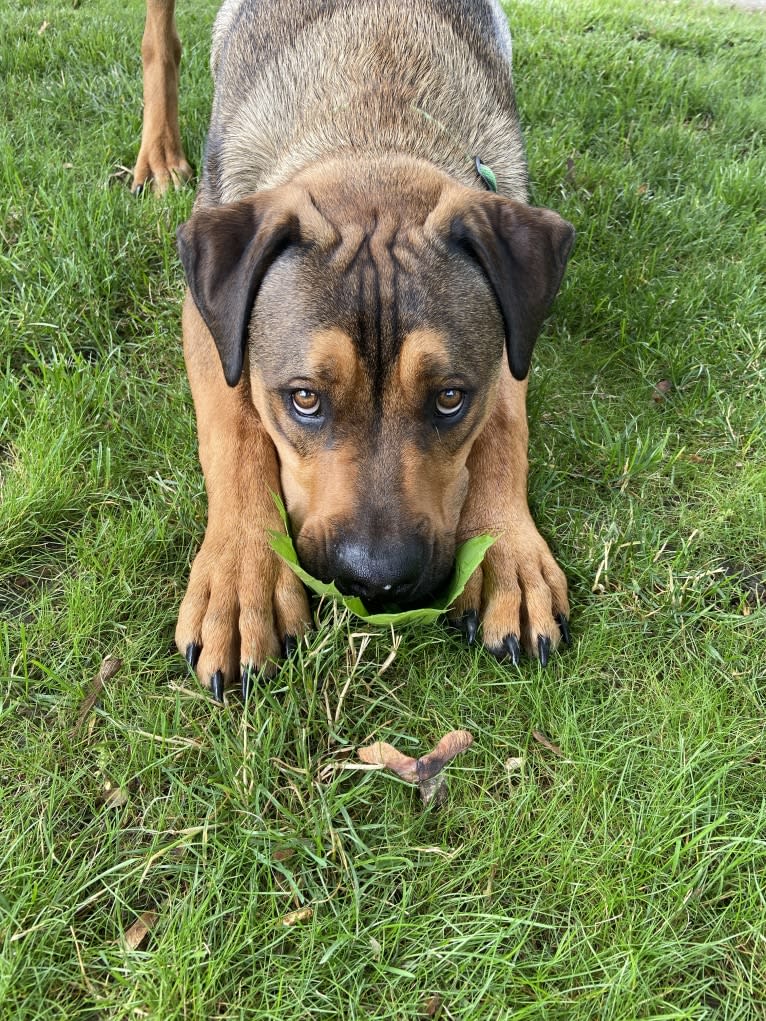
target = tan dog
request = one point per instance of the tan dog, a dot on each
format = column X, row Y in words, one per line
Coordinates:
column 360, row 317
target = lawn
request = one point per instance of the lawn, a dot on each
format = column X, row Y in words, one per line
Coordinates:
column 602, row 854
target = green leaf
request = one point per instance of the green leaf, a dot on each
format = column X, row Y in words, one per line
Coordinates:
column 468, row 556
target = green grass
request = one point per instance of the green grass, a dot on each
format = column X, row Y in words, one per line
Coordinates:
column 623, row 879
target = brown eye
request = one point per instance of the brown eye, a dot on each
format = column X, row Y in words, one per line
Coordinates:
column 449, row 402
column 306, row 402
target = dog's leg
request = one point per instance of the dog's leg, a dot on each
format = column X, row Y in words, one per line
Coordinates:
column 161, row 159
column 243, row 605
column 520, row 591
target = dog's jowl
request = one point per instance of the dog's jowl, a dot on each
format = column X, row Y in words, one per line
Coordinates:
column 360, row 317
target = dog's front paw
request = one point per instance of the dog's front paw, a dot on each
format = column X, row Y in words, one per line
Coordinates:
column 243, row 610
column 519, row 594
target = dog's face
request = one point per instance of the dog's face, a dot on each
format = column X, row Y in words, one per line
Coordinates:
column 372, row 320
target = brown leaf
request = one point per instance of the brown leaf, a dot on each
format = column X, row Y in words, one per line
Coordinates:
column 383, row 754
column 451, row 744
column 424, row 768
column 114, row 797
column 139, row 930
column 108, row 669
column 432, row 1006
column 661, row 390
column 433, row 789
column 546, row 743
column 294, row 917
column 425, row 771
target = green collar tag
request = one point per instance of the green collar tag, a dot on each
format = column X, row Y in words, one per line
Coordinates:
column 486, row 174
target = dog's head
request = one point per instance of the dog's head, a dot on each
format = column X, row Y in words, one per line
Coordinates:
column 371, row 320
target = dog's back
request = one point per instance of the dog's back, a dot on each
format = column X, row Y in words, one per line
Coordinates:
column 297, row 82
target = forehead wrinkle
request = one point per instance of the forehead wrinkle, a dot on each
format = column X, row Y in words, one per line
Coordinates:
column 353, row 239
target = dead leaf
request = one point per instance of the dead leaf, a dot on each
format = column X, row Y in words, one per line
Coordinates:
column 383, row 754
column 108, row 669
column 451, row 744
column 417, row 770
column 547, row 743
column 139, row 930
column 295, row 917
column 433, row 789
column 114, row 797
column 514, row 765
column 42, row 28
column 432, row 1006
column 661, row 390
column 425, row 771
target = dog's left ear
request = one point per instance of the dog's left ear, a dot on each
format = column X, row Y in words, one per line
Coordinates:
column 523, row 252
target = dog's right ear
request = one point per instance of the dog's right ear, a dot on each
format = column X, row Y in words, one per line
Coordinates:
column 226, row 252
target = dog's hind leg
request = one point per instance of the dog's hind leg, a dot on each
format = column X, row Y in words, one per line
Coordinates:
column 161, row 160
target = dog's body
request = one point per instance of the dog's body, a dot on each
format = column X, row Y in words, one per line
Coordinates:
column 297, row 83
column 360, row 316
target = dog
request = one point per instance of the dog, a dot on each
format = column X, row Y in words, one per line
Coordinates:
column 366, row 282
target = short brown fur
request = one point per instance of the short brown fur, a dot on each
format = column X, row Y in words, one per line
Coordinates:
column 343, row 257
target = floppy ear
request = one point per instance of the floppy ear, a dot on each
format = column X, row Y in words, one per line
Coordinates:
column 226, row 251
column 523, row 252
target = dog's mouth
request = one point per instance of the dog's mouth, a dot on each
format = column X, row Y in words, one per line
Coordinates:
column 391, row 600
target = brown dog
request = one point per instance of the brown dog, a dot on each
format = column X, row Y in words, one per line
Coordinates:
column 360, row 317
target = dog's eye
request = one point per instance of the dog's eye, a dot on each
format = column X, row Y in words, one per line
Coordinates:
column 449, row 402
column 306, row 402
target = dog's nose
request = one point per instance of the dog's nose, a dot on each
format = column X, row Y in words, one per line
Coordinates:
column 384, row 570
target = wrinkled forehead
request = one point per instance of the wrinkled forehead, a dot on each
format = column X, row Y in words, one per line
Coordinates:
column 366, row 309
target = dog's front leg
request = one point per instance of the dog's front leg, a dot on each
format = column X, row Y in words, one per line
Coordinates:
column 519, row 592
column 243, row 606
column 161, row 159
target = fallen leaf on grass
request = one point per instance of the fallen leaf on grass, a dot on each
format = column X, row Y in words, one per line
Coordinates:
column 139, row 930
column 294, row 917
column 108, row 669
column 433, row 1006
column 547, row 743
column 114, row 797
column 662, row 390
column 425, row 771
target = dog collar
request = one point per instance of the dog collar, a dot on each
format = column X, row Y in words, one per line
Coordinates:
column 486, row 174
